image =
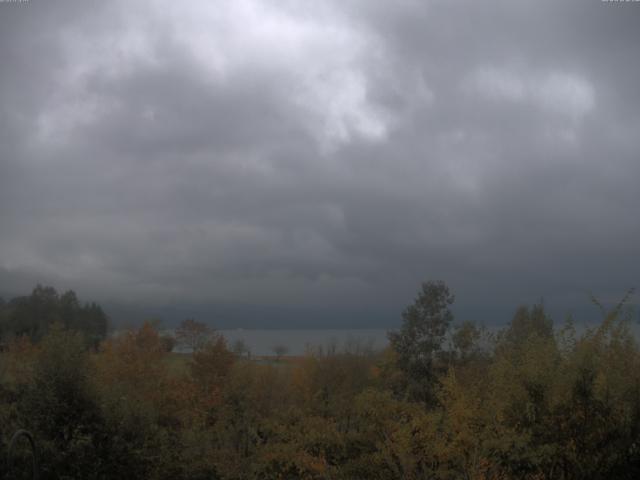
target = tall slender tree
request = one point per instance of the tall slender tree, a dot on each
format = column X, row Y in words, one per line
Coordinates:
column 420, row 339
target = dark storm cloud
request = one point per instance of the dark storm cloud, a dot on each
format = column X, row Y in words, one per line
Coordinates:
column 304, row 154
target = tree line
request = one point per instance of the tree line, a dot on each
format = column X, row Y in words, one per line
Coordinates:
column 33, row 315
column 445, row 400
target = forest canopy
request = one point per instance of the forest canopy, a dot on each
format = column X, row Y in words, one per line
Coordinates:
column 445, row 399
column 33, row 315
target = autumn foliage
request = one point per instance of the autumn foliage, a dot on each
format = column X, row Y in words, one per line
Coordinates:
column 447, row 401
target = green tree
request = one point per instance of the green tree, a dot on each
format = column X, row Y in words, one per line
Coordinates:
column 527, row 322
column 420, row 339
column 33, row 315
column 466, row 339
column 60, row 407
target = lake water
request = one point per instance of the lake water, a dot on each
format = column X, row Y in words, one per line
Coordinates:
column 261, row 342
column 297, row 342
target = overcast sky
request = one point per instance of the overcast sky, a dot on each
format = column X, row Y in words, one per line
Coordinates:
column 306, row 154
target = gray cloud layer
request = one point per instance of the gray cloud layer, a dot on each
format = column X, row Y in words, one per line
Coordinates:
column 300, row 154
